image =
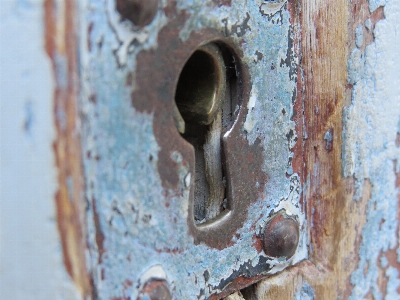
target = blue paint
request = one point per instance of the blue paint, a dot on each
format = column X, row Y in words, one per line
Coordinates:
column 369, row 150
column 123, row 181
column 374, row 4
column 29, row 118
column 359, row 35
column 306, row 292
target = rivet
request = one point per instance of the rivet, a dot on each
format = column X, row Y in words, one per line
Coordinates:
column 281, row 236
column 155, row 290
column 139, row 12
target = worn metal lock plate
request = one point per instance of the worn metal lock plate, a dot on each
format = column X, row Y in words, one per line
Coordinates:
column 150, row 218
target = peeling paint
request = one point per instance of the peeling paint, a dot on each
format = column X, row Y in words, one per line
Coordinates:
column 374, row 4
column 306, row 292
column 143, row 222
column 249, row 124
column 370, row 126
column 271, row 7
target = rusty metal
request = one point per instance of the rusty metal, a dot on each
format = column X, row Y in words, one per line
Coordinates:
column 242, row 159
column 155, row 290
column 139, row 12
column 281, row 236
column 156, row 217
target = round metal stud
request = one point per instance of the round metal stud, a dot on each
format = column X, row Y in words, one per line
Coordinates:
column 155, row 290
column 139, row 12
column 281, row 236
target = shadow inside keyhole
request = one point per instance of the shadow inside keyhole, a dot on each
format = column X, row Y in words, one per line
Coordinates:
column 207, row 105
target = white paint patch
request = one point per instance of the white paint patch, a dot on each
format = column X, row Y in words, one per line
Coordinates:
column 359, row 35
column 250, row 119
column 374, row 4
column 369, row 149
column 31, row 255
column 156, row 272
column 368, row 24
column 271, row 7
column 187, row 180
column 127, row 33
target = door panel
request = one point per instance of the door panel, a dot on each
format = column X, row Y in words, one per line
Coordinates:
column 303, row 143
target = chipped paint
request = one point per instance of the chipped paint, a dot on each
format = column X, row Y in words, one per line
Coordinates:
column 369, row 149
column 135, row 220
column 249, row 124
column 306, row 292
column 127, row 34
column 138, row 188
column 271, row 7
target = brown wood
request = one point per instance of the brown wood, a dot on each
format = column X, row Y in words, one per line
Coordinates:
column 61, row 42
column 335, row 220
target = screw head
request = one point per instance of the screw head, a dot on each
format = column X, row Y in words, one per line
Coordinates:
column 281, row 236
column 139, row 12
column 155, row 290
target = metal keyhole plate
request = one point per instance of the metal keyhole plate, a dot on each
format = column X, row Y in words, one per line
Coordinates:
column 140, row 162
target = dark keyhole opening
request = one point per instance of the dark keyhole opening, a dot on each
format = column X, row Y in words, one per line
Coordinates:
column 198, row 86
column 207, row 104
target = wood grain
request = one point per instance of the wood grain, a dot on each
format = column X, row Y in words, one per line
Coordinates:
column 334, row 219
column 61, row 44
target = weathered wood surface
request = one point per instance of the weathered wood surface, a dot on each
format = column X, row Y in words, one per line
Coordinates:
column 40, row 200
column 338, row 138
column 61, row 44
column 351, row 115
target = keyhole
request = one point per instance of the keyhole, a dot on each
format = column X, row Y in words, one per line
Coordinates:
column 205, row 111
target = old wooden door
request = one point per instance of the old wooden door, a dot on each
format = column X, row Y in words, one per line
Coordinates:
column 204, row 149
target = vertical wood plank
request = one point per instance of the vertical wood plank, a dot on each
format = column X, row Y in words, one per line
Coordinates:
column 338, row 204
column 61, row 46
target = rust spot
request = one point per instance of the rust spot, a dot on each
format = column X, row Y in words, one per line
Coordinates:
column 369, row 296
column 154, row 94
column 93, row 98
column 382, row 280
column 99, row 234
column 377, row 15
column 253, row 226
column 63, row 228
column 129, row 79
column 89, row 33
column 155, row 290
column 222, row 2
column 139, row 12
column 257, row 243
column 166, row 250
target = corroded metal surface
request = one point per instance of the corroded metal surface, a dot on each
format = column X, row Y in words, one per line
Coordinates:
column 155, row 290
column 328, row 129
column 281, row 236
column 139, row 170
